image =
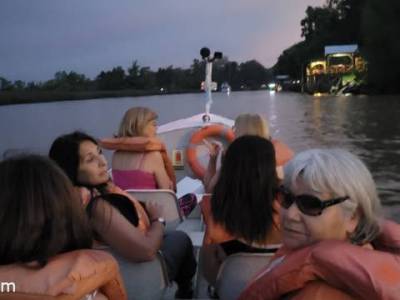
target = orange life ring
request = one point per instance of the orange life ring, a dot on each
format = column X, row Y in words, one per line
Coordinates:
column 197, row 138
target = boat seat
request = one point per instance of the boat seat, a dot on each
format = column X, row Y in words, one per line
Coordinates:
column 145, row 280
column 166, row 199
column 236, row 271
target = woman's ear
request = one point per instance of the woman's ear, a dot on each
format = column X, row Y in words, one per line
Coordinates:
column 352, row 222
column 276, row 207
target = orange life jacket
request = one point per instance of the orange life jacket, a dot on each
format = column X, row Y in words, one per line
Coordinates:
column 141, row 144
column 282, row 152
column 356, row 272
column 67, row 276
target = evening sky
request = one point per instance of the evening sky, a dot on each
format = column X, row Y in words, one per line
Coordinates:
column 41, row 37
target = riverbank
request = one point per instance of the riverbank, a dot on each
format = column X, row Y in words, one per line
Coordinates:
column 26, row 97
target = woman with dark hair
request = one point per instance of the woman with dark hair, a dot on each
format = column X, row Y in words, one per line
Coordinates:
column 243, row 215
column 41, row 221
column 119, row 220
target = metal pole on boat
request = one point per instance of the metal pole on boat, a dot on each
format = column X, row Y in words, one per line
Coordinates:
column 208, row 82
column 205, row 54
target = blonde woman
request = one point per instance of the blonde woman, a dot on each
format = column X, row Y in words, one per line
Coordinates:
column 251, row 124
column 140, row 160
column 246, row 124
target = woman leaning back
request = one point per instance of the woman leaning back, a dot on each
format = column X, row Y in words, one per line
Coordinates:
column 119, row 220
column 335, row 245
column 46, row 238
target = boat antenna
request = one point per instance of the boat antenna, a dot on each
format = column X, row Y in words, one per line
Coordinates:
column 205, row 54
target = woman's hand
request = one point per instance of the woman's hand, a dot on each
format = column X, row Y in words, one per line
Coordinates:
column 214, row 148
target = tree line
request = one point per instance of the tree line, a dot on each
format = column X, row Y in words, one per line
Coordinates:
column 247, row 75
column 372, row 24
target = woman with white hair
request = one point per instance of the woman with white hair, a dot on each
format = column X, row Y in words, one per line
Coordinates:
column 330, row 222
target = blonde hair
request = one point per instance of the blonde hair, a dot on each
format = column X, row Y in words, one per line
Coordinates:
column 251, row 124
column 135, row 120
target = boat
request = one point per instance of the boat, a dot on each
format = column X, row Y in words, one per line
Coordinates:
column 177, row 137
column 338, row 73
column 225, row 88
column 183, row 137
column 185, row 141
column 150, row 279
column 177, row 134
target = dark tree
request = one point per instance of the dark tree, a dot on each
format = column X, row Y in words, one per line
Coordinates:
column 381, row 31
column 252, row 74
column 112, row 80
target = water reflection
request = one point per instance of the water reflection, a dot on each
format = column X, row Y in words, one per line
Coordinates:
column 367, row 126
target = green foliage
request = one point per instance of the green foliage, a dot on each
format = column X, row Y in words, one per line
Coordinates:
column 319, row 24
column 63, row 81
column 381, row 31
column 250, row 74
column 253, row 74
column 294, row 59
column 112, row 80
column 196, row 73
column 5, row 85
column 372, row 24
column 320, row 27
column 133, row 76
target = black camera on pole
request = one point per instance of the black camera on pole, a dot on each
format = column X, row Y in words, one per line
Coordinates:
column 205, row 54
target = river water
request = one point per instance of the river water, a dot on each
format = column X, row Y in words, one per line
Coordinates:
column 368, row 126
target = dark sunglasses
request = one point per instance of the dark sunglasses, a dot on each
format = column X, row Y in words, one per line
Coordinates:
column 308, row 204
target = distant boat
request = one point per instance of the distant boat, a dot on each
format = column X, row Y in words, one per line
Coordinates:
column 225, row 88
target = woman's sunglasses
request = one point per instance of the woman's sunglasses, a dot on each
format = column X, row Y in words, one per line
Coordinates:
column 307, row 204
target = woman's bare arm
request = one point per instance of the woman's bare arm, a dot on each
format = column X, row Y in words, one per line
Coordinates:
column 209, row 177
column 157, row 164
column 117, row 232
column 211, row 257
